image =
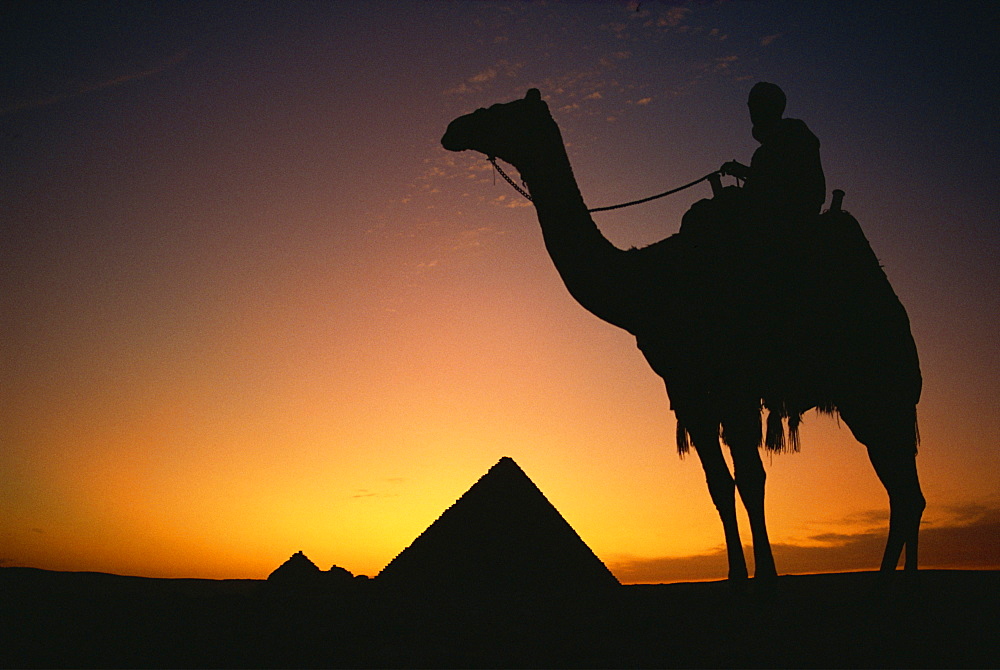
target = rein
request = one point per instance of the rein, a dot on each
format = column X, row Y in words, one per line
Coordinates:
column 710, row 175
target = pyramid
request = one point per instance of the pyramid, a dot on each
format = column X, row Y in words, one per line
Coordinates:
column 501, row 536
column 296, row 570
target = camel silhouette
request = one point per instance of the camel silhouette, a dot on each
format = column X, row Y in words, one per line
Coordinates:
column 736, row 323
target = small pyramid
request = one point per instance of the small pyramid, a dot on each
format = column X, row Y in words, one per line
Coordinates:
column 501, row 536
column 337, row 577
column 296, row 570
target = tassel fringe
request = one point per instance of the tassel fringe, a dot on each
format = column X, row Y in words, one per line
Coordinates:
column 781, row 434
column 683, row 440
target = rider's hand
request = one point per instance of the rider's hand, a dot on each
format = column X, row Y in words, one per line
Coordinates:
column 734, row 168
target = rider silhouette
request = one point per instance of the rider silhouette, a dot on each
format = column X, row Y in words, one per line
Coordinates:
column 784, row 181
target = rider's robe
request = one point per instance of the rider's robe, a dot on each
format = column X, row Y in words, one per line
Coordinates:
column 786, row 181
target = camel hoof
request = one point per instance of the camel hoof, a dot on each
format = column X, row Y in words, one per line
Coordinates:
column 738, row 583
column 767, row 579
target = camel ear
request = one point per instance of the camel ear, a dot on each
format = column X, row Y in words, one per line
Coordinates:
column 533, row 94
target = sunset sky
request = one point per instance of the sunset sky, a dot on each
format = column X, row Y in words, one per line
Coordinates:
column 250, row 306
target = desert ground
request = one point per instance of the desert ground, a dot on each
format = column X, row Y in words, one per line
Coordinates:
column 62, row 619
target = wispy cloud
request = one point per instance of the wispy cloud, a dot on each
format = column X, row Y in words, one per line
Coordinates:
column 700, row 567
column 673, row 17
column 724, row 62
column 767, row 39
column 484, row 76
column 479, row 81
column 90, row 87
column 368, row 493
column 966, row 536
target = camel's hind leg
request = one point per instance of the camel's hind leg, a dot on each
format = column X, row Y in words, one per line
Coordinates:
column 890, row 436
column 898, row 473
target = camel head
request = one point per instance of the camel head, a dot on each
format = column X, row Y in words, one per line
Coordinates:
column 507, row 130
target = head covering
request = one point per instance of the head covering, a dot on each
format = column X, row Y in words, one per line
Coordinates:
column 767, row 99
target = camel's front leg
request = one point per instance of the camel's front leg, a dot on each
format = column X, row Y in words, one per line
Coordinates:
column 722, row 488
column 750, row 477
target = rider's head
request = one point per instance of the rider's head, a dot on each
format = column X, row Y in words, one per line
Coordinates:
column 766, row 103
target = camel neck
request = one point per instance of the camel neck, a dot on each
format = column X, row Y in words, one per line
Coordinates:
column 550, row 180
column 590, row 266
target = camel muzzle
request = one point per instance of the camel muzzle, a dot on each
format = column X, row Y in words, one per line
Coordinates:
column 453, row 139
column 466, row 132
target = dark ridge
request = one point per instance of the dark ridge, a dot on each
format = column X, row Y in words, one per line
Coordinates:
column 856, row 620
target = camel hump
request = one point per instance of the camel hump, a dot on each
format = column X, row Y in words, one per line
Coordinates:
column 533, row 94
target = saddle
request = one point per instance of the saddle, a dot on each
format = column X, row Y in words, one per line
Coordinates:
column 792, row 312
